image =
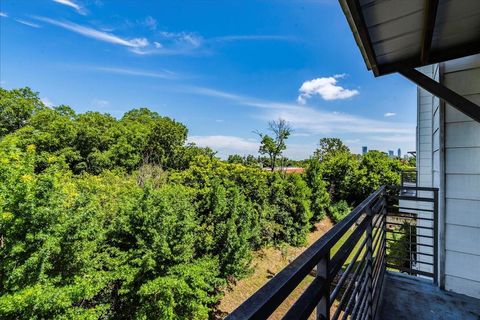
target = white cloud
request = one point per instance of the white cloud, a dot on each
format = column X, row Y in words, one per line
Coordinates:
column 46, row 101
column 72, row 4
column 326, row 87
column 309, row 120
column 403, row 138
column 139, row 42
column 28, row 23
column 163, row 74
column 100, row 103
column 96, row 34
column 172, row 43
column 226, row 144
column 3, row 14
column 389, row 114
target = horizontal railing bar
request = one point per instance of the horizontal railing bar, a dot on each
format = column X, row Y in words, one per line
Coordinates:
column 263, row 302
column 347, row 293
column 379, row 205
column 360, row 286
column 418, row 272
column 377, row 241
column 345, row 274
column 417, row 253
column 346, row 249
column 419, row 188
column 377, row 218
column 404, row 233
column 306, row 303
column 408, row 215
column 407, row 259
column 413, row 243
column 361, row 294
column 413, row 226
column 378, row 291
column 362, row 307
column 416, row 209
column 410, row 198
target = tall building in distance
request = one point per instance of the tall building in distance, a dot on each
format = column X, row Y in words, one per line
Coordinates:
column 364, row 149
column 399, row 153
column 390, row 153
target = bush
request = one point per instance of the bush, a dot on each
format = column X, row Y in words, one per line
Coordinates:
column 339, row 211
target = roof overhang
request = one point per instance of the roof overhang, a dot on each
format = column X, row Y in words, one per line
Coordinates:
column 397, row 34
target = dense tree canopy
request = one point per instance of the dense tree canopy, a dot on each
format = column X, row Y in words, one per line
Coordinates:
column 105, row 218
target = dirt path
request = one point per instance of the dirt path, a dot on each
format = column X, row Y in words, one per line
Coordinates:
column 266, row 263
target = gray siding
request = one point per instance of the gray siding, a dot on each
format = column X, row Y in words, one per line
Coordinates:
column 462, row 181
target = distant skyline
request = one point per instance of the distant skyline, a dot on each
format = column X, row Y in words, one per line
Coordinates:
column 223, row 68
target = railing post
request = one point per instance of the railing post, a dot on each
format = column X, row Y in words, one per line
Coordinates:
column 369, row 262
column 323, row 307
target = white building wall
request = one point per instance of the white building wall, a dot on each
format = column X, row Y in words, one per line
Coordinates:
column 462, row 181
column 448, row 157
column 427, row 164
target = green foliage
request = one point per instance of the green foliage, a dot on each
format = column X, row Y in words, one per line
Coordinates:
column 339, row 211
column 330, row 146
column 320, row 198
column 340, row 171
column 376, row 169
column 290, row 198
column 274, row 146
column 105, row 218
column 402, row 245
column 16, row 108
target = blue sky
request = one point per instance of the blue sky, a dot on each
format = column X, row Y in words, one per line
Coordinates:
column 223, row 68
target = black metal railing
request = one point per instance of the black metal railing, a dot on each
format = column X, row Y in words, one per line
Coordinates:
column 350, row 261
column 412, row 229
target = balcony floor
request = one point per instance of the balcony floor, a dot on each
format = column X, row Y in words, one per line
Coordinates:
column 406, row 297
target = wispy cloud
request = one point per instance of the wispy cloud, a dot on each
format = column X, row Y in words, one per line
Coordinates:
column 100, row 103
column 46, row 101
column 172, row 43
column 390, row 114
column 28, row 23
column 326, row 87
column 311, row 120
column 163, row 74
column 72, row 4
column 150, row 22
column 188, row 43
column 226, row 144
column 96, row 34
column 396, row 138
column 3, row 14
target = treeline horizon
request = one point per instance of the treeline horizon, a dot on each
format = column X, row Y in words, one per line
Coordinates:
column 105, row 218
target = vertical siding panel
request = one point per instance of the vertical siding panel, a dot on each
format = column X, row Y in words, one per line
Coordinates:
column 462, row 181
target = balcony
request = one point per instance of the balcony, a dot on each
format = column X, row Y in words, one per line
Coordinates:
column 385, row 268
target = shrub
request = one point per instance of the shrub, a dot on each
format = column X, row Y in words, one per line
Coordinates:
column 339, row 211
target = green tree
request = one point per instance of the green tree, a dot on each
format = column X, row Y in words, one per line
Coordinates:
column 290, row 198
column 330, row 146
column 377, row 169
column 320, row 199
column 274, row 146
column 16, row 107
